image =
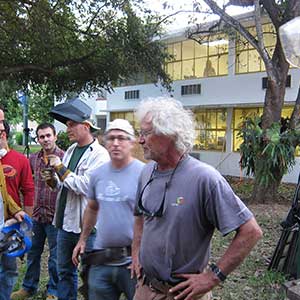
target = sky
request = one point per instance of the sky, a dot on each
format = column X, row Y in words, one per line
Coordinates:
column 181, row 20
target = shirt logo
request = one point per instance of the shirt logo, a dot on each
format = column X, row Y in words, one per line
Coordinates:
column 113, row 193
column 179, row 201
column 9, row 171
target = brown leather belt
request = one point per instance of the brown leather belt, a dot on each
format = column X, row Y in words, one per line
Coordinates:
column 159, row 285
column 104, row 256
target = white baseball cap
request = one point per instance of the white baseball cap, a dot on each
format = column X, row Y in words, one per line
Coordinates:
column 120, row 124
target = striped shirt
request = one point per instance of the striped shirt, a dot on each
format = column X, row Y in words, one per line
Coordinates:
column 44, row 197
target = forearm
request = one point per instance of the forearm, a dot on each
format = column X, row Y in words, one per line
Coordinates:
column 89, row 221
column 243, row 242
column 28, row 210
column 137, row 234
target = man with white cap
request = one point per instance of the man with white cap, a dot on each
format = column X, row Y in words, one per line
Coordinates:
column 72, row 176
column 112, row 193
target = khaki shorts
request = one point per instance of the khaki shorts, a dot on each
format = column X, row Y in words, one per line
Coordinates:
column 144, row 291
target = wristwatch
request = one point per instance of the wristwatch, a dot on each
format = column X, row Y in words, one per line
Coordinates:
column 215, row 269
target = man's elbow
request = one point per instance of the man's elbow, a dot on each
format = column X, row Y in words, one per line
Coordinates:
column 253, row 230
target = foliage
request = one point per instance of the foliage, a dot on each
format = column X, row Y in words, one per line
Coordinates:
column 78, row 45
column 40, row 102
column 9, row 102
column 263, row 154
column 63, row 141
column 19, row 138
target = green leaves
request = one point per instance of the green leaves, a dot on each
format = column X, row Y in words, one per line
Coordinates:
column 72, row 46
column 268, row 154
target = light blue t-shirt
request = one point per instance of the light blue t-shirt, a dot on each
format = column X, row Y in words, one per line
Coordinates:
column 115, row 192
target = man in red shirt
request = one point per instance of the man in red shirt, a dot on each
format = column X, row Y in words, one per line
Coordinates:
column 17, row 173
column 18, row 180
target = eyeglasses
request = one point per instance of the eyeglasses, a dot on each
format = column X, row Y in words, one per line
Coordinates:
column 120, row 138
column 145, row 133
column 158, row 213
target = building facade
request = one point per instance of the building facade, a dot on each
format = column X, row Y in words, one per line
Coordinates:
column 222, row 79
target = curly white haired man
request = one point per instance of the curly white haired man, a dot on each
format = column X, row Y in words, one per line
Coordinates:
column 180, row 202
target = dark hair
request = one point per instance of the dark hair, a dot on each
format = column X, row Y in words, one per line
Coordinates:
column 6, row 128
column 44, row 126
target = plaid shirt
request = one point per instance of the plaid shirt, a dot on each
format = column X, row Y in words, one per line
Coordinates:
column 44, row 197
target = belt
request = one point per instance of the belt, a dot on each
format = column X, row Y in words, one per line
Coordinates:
column 100, row 257
column 159, row 285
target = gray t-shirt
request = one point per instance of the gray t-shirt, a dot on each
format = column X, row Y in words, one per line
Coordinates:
column 198, row 200
column 115, row 192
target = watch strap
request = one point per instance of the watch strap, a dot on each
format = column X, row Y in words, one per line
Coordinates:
column 215, row 269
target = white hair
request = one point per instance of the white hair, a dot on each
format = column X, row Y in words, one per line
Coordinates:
column 169, row 118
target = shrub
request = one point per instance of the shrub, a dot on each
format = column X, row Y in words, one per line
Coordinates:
column 19, row 137
column 62, row 140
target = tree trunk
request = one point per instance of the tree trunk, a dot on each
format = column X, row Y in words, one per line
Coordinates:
column 275, row 93
column 265, row 194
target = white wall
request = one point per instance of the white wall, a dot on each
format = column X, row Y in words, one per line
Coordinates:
column 231, row 90
column 227, row 91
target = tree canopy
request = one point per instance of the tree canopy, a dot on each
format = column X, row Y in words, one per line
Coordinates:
column 77, row 45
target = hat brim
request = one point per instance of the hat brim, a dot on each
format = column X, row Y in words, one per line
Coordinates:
column 61, row 117
column 64, row 117
column 93, row 128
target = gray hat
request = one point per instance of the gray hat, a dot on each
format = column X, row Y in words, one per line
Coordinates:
column 74, row 110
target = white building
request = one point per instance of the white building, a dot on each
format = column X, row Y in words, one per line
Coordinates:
column 233, row 86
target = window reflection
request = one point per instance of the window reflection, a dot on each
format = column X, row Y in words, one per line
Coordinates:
column 247, row 58
column 240, row 114
column 205, row 58
column 210, row 129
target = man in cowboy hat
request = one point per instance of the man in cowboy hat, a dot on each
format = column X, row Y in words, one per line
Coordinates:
column 72, row 176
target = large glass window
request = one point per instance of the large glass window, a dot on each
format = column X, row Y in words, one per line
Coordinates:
column 128, row 115
column 247, row 58
column 240, row 114
column 206, row 58
column 210, row 129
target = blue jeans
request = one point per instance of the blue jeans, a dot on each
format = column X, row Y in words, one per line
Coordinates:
column 109, row 282
column 67, row 271
column 31, row 280
column 8, row 276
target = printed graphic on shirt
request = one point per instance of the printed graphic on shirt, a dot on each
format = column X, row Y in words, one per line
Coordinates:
column 113, row 193
column 179, row 201
column 9, row 171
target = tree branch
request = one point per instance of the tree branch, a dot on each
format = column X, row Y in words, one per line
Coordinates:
column 295, row 117
column 24, row 67
column 258, row 25
column 273, row 11
column 73, row 61
column 245, row 33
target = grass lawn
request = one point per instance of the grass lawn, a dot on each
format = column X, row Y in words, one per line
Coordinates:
column 251, row 280
column 32, row 148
